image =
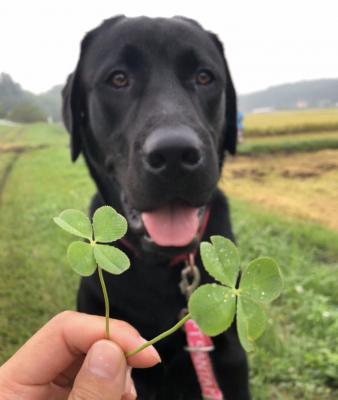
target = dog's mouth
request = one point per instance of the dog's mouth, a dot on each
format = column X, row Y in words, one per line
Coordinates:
column 173, row 225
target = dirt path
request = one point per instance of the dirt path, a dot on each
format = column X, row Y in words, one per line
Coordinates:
column 11, row 163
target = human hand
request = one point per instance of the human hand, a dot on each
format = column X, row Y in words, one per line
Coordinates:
column 66, row 359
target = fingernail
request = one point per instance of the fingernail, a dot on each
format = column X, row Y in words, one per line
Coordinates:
column 104, row 359
column 156, row 355
column 150, row 349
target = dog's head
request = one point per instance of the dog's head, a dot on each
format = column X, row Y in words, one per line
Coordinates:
column 152, row 107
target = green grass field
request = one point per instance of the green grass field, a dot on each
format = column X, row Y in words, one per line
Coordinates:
column 298, row 357
column 289, row 143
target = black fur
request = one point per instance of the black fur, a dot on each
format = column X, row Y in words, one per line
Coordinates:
column 110, row 127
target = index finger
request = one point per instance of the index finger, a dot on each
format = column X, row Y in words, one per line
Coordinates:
column 66, row 337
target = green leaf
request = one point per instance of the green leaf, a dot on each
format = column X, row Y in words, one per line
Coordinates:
column 251, row 322
column 262, row 280
column 111, row 259
column 75, row 222
column 221, row 260
column 108, row 225
column 81, row 258
column 242, row 328
column 213, row 308
column 254, row 315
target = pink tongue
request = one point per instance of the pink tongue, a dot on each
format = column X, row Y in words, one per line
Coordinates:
column 172, row 225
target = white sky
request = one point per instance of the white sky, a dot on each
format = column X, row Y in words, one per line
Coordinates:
column 267, row 41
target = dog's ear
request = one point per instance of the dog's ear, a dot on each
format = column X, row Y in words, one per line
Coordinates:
column 73, row 96
column 230, row 139
column 72, row 114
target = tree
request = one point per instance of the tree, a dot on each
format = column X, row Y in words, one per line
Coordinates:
column 27, row 112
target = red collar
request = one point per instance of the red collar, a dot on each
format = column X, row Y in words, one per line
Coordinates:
column 181, row 257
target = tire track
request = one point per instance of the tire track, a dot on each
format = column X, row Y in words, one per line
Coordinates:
column 11, row 164
column 18, row 151
column 7, row 172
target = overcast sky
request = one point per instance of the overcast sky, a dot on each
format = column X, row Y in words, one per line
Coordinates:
column 267, row 42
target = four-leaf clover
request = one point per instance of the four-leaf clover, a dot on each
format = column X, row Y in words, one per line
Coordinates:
column 214, row 306
column 108, row 226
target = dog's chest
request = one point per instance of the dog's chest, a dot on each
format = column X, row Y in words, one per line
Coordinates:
column 148, row 297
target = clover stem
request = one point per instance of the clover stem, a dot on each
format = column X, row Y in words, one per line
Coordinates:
column 106, row 300
column 160, row 337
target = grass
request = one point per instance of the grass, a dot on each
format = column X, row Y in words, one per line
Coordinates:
column 298, row 359
column 286, row 122
column 289, row 143
column 8, row 134
column 35, row 281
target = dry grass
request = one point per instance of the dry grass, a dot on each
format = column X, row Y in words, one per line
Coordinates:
column 292, row 137
column 301, row 185
column 283, row 122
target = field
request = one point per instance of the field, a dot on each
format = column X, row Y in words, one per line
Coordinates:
column 283, row 202
column 301, row 185
column 276, row 123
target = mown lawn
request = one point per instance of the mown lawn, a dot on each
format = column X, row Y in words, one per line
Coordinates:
column 298, row 357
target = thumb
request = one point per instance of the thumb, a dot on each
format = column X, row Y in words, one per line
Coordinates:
column 102, row 375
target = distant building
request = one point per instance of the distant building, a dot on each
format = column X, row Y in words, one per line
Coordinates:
column 262, row 110
column 302, row 104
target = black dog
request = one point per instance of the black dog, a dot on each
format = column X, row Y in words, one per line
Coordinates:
column 152, row 108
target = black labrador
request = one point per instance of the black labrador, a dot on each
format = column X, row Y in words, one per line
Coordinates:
column 152, row 108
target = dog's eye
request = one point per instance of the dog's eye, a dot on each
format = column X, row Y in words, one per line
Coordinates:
column 118, row 80
column 204, row 77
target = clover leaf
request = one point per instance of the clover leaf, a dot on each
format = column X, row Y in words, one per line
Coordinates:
column 221, row 260
column 111, row 259
column 81, row 258
column 251, row 322
column 108, row 226
column 214, row 306
column 261, row 280
column 75, row 222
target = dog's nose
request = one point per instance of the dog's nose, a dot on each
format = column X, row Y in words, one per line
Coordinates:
column 172, row 151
